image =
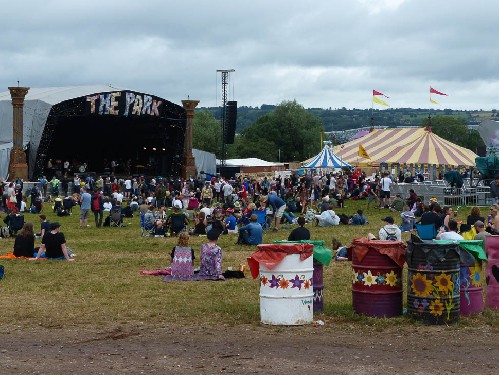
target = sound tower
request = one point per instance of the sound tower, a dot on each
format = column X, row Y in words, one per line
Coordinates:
column 230, row 122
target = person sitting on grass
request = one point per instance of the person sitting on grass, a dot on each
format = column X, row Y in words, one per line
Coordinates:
column 54, row 245
column 177, row 221
column 358, row 218
column 389, row 231
column 25, row 242
column 182, row 258
column 300, row 233
column 341, row 251
column 230, row 222
column 251, row 234
column 408, row 219
column 451, row 234
column 199, row 225
column 327, row 218
column 211, row 258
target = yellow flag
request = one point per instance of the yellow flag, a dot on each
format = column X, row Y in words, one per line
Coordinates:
column 362, row 152
column 433, row 101
column 379, row 101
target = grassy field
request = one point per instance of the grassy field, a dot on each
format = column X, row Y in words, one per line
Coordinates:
column 103, row 286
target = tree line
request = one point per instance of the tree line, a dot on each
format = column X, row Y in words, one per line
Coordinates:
column 289, row 132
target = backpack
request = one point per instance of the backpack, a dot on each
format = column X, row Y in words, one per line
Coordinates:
column 390, row 236
column 95, row 203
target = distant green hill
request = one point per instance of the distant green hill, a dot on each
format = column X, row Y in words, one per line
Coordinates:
column 343, row 119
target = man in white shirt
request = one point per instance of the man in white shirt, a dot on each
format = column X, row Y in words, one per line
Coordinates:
column 118, row 197
column 451, row 234
column 227, row 189
column 128, row 187
column 332, row 183
column 384, row 194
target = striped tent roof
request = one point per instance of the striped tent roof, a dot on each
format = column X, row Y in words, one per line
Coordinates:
column 325, row 159
column 406, row 146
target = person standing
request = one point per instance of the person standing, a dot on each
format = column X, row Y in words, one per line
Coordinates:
column 494, row 190
column 97, row 208
column 278, row 206
column 385, row 184
column 85, row 203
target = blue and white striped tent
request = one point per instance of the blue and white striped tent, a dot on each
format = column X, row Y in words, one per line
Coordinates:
column 326, row 159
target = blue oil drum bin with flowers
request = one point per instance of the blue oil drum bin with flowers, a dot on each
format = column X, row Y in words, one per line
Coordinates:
column 433, row 295
column 377, row 277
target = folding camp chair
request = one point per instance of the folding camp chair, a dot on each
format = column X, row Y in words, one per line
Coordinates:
column 116, row 218
column 262, row 219
column 146, row 230
column 15, row 223
column 426, row 231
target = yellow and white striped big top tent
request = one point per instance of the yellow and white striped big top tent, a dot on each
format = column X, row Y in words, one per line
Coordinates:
column 405, row 146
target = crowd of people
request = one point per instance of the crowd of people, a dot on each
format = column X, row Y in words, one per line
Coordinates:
column 243, row 207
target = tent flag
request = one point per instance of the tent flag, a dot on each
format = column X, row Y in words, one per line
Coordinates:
column 433, row 101
column 433, row 91
column 375, row 92
column 379, row 101
column 362, row 152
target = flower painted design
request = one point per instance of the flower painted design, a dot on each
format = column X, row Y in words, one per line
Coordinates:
column 444, row 283
column 369, row 279
column 264, row 280
column 391, row 278
column 274, row 283
column 381, row 279
column 475, row 276
column 421, row 305
column 360, row 277
column 355, row 276
column 436, row 308
column 283, row 283
column 307, row 284
column 420, row 285
column 296, row 282
column 464, row 272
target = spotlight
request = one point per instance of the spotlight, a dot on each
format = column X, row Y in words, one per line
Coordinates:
column 154, row 148
column 145, row 148
column 164, row 149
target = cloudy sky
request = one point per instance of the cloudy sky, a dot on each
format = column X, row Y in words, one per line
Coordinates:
column 321, row 53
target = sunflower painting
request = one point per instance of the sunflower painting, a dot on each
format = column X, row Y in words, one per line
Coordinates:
column 420, row 285
column 436, row 308
column 443, row 283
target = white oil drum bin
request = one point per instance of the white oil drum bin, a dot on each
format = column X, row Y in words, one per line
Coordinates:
column 286, row 292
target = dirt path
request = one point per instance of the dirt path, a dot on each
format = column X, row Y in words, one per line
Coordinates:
column 251, row 350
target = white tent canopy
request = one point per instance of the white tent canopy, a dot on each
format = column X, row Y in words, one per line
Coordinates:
column 249, row 162
column 326, row 159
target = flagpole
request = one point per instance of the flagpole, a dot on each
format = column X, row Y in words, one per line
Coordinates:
column 429, row 111
column 371, row 125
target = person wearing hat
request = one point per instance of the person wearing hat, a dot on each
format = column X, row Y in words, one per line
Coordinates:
column 177, row 220
column 207, row 194
column 389, row 231
column 481, row 233
column 54, row 244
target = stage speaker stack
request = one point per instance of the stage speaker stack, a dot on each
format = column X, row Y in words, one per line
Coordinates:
column 230, row 122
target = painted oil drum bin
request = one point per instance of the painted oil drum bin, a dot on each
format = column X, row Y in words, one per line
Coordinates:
column 433, row 282
column 470, row 278
column 285, row 272
column 318, row 286
column 377, row 277
column 492, row 272
column 322, row 257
